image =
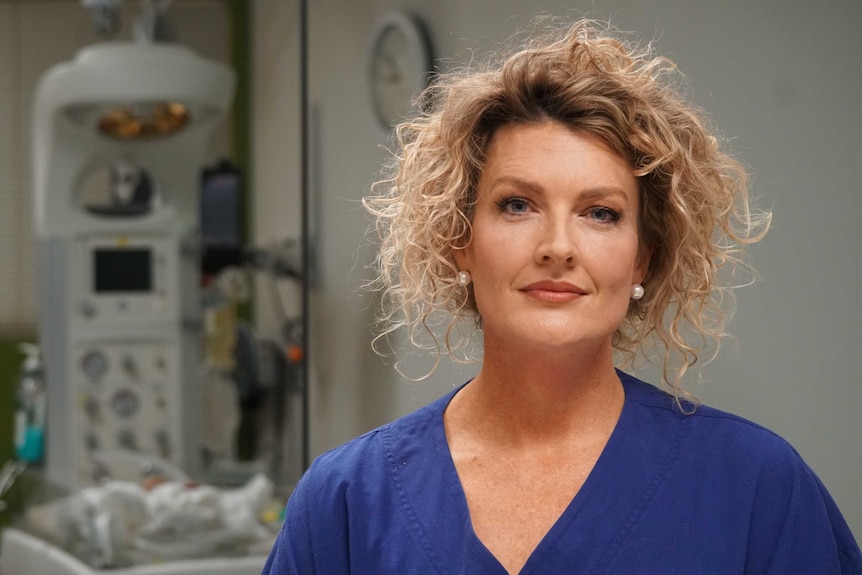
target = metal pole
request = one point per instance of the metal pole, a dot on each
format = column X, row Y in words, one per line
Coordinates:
column 306, row 223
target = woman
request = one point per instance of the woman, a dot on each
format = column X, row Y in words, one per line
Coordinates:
column 573, row 204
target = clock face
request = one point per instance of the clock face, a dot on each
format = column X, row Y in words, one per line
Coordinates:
column 400, row 62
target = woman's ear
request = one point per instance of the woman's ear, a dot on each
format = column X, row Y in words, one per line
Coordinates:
column 461, row 258
column 642, row 262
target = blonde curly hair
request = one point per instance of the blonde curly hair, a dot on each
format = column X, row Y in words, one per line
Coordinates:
column 694, row 218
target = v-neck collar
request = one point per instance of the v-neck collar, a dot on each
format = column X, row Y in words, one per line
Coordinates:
column 593, row 526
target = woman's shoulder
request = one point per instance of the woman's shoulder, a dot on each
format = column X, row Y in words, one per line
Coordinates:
column 741, row 471
column 367, row 456
column 721, row 447
column 722, row 429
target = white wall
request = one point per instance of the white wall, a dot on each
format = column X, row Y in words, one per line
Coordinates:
column 781, row 79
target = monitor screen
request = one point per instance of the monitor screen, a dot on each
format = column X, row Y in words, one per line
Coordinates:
column 122, row 270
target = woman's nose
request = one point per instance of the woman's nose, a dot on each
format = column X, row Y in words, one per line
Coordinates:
column 557, row 244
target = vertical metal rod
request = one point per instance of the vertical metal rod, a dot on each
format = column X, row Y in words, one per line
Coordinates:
column 306, row 224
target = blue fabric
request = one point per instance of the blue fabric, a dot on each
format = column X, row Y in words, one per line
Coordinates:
column 671, row 493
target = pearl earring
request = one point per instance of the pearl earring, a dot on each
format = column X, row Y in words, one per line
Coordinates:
column 637, row 291
column 464, row 278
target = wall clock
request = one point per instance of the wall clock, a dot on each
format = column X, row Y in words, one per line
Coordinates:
column 401, row 62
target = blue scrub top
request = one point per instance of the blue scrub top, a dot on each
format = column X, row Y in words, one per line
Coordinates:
column 671, row 493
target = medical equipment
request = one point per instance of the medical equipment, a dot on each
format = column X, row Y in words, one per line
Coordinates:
column 30, row 412
column 159, row 524
column 119, row 141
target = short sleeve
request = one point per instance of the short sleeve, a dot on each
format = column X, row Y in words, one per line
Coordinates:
column 796, row 526
column 292, row 552
column 314, row 538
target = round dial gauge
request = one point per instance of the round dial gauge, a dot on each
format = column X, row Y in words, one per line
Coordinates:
column 125, row 403
column 94, row 364
column 400, row 63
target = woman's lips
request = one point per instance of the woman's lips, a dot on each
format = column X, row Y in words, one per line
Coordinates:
column 553, row 291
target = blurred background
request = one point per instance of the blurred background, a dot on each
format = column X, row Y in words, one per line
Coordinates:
column 193, row 358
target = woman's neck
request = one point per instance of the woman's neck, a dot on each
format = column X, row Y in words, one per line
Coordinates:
column 540, row 394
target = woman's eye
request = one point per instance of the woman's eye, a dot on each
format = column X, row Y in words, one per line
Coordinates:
column 602, row 214
column 514, row 205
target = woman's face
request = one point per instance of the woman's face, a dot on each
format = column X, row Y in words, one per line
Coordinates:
column 554, row 249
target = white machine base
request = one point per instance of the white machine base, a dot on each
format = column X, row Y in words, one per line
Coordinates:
column 24, row 554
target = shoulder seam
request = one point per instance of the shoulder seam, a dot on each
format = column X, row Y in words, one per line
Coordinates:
column 354, row 440
column 712, row 413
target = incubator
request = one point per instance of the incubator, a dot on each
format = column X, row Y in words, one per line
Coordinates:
column 120, row 319
column 119, row 141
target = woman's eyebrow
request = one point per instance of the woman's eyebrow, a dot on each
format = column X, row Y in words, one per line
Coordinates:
column 602, row 192
column 518, row 183
column 588, row 194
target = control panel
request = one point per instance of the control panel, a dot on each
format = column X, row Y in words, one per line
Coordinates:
column 124, row 354
column 124, row 278
column 126, row 392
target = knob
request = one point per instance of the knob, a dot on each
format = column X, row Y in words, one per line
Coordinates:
column 94, row 364
column 88, row 309
column 130, row 366
column 125, row 403
column 126, row 438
